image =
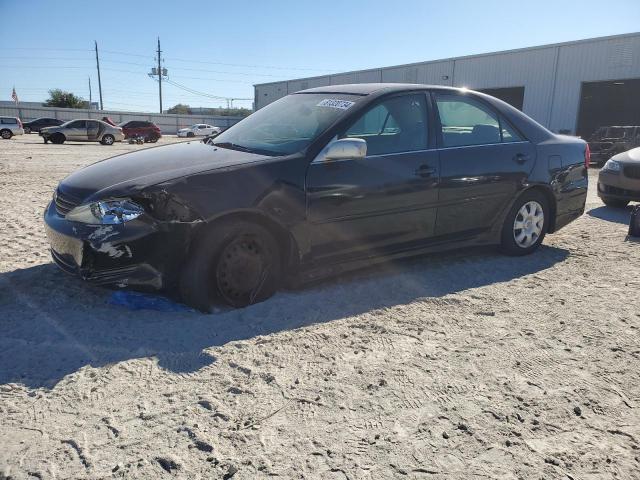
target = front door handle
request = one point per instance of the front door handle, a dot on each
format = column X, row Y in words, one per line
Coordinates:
column 520, row 158
column 425, row 171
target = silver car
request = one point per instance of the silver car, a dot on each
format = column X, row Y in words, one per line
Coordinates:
column 619, row 179
column 10, row 126
column 84, row 130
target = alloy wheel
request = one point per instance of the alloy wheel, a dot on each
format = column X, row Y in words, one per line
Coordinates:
column 528, row 224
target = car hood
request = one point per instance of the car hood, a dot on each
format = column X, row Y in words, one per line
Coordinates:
column 630, row 156
column 52, row 128
column 129, row 173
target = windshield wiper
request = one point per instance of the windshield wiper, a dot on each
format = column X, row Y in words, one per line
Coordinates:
column 242, row 148
column 231, row 146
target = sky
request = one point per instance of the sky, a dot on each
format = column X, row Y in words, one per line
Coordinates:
column 221, row 49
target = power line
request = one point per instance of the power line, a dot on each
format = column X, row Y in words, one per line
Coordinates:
column 176, row 59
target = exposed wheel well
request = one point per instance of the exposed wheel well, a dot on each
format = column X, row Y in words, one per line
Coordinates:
column 551, row 199
column 283, row 237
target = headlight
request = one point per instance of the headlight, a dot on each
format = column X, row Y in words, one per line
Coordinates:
column 612, row 166
column 109, row 212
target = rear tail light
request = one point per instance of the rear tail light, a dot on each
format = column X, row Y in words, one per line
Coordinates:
column 587, row 156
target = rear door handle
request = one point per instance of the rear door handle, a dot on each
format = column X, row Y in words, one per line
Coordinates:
column 520, row 158
column 425, row 171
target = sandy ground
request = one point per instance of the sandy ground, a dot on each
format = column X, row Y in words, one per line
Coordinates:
column 465, row 365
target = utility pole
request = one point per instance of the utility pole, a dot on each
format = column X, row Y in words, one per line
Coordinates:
column 90, row 99
column 99, row 82
column 160, row 72
column 159, row 75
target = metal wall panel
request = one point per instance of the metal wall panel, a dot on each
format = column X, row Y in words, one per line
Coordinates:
column 297, row 85
column 533, row 71
column 438, row 73
column 270, row 92
column 598, row 60
column 551, row 74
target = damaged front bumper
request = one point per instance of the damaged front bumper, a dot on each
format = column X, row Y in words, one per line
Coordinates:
column 143, row 253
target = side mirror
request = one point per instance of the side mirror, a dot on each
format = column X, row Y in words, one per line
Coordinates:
column 346, row 149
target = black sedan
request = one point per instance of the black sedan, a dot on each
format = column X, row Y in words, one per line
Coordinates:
column 316, row 183
column 38, row 123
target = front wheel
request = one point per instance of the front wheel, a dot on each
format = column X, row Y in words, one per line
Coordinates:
column 57, row 139
column 236, row 262
column 27, row 130
column 615, row 202
column 6, row 134
column 191, row 134
column 526, row 224
column 108, row 140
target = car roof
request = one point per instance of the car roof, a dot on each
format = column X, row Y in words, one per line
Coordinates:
column 368, row 88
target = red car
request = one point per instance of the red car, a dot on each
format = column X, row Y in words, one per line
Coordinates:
column 139, row 128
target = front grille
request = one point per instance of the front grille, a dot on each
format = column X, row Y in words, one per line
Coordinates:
column 64, row 203
column 621, row 192
column 632, row 171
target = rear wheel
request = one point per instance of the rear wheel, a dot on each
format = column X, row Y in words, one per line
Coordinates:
column 57, row 138
column 108, row 139
column 237, row 262
column 6, row 134
column 615, row 202
column 526, row 224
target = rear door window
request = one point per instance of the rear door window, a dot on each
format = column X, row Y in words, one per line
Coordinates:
column 465, row 122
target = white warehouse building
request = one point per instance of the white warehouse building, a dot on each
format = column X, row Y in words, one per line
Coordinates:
column 571, row 87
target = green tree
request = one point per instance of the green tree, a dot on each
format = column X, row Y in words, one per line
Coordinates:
column 180, row 109
column 60, row 98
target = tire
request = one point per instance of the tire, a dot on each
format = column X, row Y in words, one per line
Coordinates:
column 532, row 213
column 108, row 139
column 57, row 138
column 191, row 134
column 6, row 134
column 27, row 130
column 615, row 202
column 236, row 262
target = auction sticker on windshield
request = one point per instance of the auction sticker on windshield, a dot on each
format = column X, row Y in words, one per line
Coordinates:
column 333, row 103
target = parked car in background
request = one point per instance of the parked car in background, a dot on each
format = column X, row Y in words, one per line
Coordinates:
column 619, row 179
column 316, row 183
column 606, row 142
column 10, row 126
column 83, row 130
column 140, row 128
column 198, row 130
column 38, row 123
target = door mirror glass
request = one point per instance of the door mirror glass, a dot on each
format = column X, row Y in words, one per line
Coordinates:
column 346, row 149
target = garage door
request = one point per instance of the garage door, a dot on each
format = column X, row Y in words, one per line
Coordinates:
column 514, row 96
column 603, row 104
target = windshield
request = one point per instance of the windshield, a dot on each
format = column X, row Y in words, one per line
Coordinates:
column 288, row 125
